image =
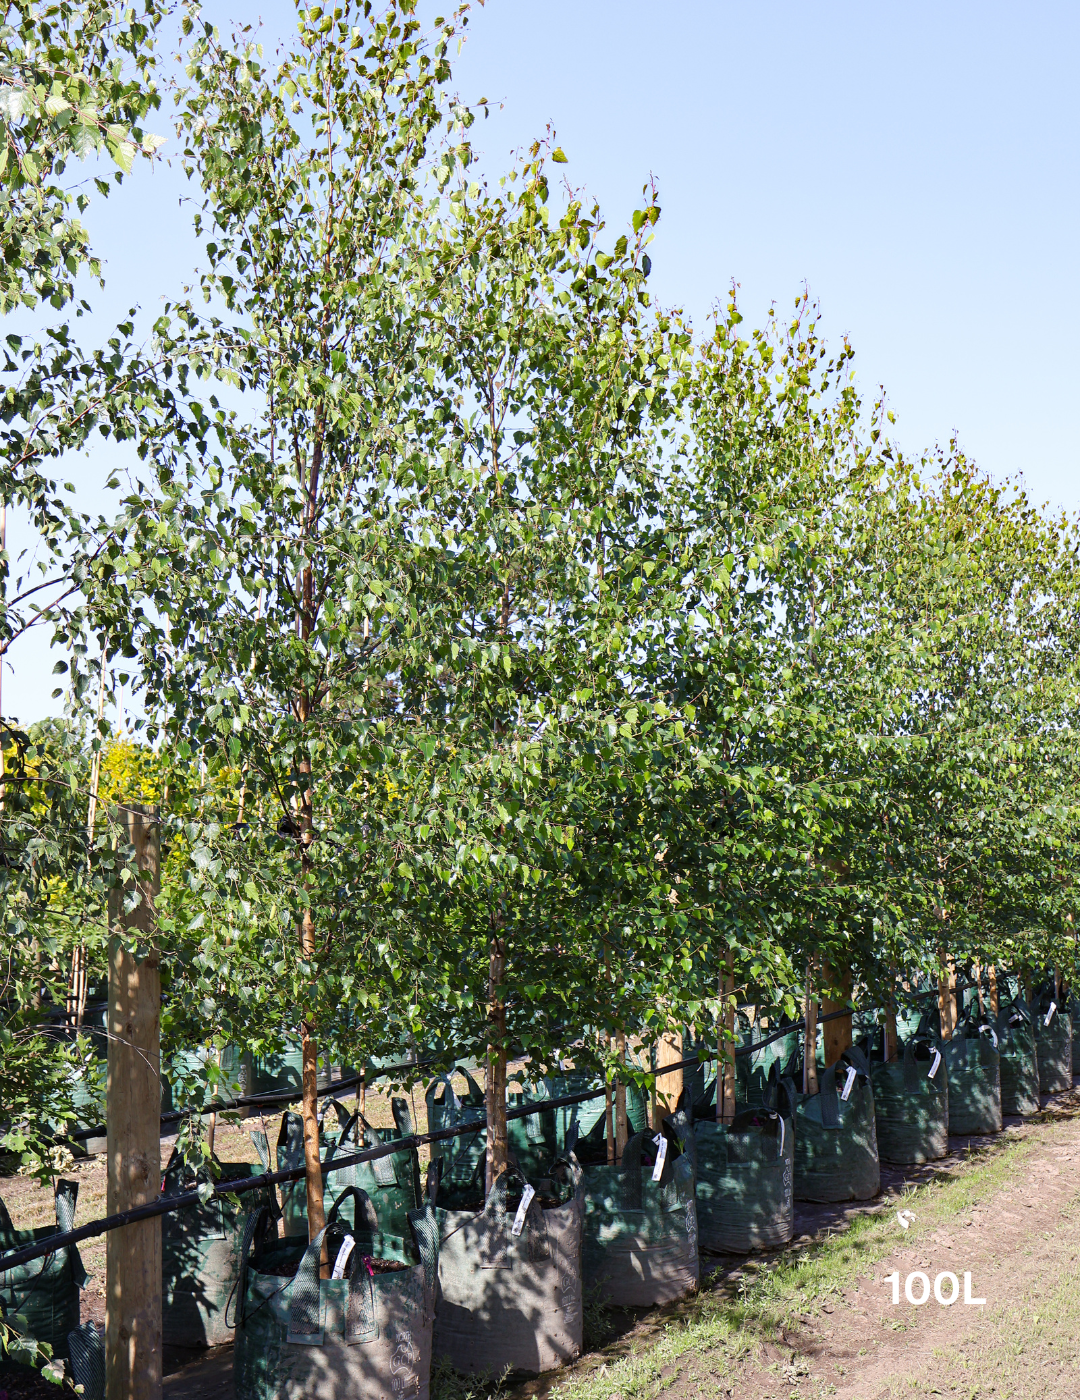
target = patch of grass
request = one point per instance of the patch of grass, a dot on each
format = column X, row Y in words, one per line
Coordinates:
column 794, row 1286
column 448, row 1384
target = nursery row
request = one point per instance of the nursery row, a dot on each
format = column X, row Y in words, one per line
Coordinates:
column 405, row 1271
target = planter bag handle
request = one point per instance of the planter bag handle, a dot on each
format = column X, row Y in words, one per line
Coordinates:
column 858, row 1059
column 257, row 1222
column 7, row 1229
column 67, row 1193
column 829, row 1099
column 631, row 1173
column 291, row 1140
column 494, row 1253
column 262, row 1147
column 361, row 1319
column 86, row 1349
column 912, row 1076
column 365, row 1217
column 425, row 1228
column 680, row 1127
column 451, row 1098
column 402, row 1116
column 305, row 1311
column 344, row 1117
column 475, row 1091
column 382, row 1167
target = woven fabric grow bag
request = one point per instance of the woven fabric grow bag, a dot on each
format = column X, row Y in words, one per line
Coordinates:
column 506, row 1299
column 459, row 1156
column 754, row 1072
column 974, row 1084
column 746, row 1176
column 392, row 1182
column 836, row 1153
column 1054, row 1045
column 362, row 1335
column 45, row 1292
column 911, row 1105
column 641, row 1236
column 1018, row 1061
column 585, row 1124
column 201, row 1249
column 1074, row 1017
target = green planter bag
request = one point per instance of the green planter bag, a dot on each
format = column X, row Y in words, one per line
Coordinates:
column 585, row 1124
column 754, row 1072
column 974, row 1083
column 459, row 1156
column 641, row 1233
column 392, row 1182
column 911, row 1105
column 836, row 1153
column 363, row 1334
column 746, row 1175
column 45, row 1292
column 201, row 1253
column 1019, row 1064
column 510, row 1276
column 1053, row 1041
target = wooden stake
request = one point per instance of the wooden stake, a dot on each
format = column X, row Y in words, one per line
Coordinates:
column 133, row 1253
column 836, row 1034
column 622, row 1121
column 725, row 1050
column 810, row 1077
column 497, row 1143
column 947, row 998
column 991, row 979
column 668, row 1086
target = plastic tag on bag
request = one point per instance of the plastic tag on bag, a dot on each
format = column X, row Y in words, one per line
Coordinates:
column 849, row 1083
column 348, row 1244
column 1050, row 1013
column 781, row 1152
column 661, row 1156
column 935, row 1066
column 522, row 1211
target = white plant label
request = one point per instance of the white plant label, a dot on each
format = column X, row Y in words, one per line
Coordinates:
column 522, row 1210
column 348, row 1244
column 781, row 1152
column 935, row 1066
column 1050, row 1013
column 849, row 1082
column 661, row 1156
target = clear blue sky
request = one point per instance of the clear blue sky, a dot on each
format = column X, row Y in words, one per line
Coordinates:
column 915, row 165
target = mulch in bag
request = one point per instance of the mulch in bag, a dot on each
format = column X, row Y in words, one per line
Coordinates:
column 641, row 1232
column 45, row 1292
column 974, row 1081
column 911, row 1102
column 1053, row 1040
column 363, row 1334
column 510, row 1276
column 201, row 1252
column 836, row 1152
column 1018, row 1060
column 746, row 1174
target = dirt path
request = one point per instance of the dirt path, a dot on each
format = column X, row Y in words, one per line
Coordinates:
column 1012, row 1222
